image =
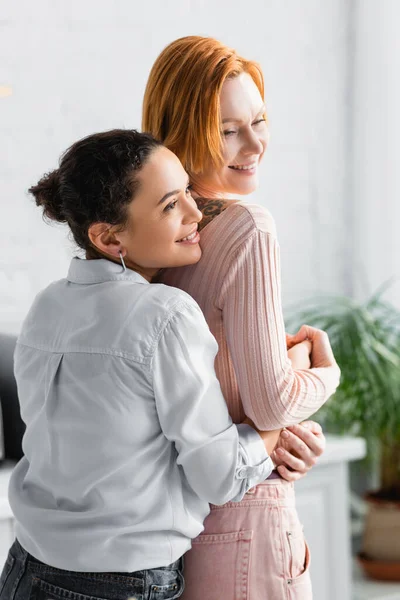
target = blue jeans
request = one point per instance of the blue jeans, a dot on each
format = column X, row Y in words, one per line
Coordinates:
column 26, row 578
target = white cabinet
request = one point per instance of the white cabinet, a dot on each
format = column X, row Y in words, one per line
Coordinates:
column 323, row 505
column 6, row 521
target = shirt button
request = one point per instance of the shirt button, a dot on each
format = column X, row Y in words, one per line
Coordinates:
column 241, row 473
column 289, row 581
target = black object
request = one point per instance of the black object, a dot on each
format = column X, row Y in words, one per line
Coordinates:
column 13, row 425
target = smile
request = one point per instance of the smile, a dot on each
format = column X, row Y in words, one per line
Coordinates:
column 244, row 167
column 192, row 238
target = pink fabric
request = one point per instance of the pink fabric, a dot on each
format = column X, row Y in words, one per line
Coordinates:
column 237, row 285
column 251, row 550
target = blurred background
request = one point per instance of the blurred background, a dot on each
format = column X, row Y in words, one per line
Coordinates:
column 330, row 177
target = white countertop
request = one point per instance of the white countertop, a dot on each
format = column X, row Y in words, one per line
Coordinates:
column 342, row 449
column 6, row 468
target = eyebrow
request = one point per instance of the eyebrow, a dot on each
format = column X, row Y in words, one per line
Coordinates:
column 232, row 120
column 169, row 194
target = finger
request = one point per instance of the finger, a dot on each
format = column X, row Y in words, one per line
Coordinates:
column 301, row 335
column 293, row 441
column 312, row 426
column 308, row 346
column 297, row 464
column 289, row 341
column 305, row 431
column 289, row 475
column 276, row 461
column 309, row 431
column 313, row 442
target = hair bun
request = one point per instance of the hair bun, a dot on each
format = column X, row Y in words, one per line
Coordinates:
column 47, row 194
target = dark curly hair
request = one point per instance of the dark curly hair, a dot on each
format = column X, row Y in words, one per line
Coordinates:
column 95, row 182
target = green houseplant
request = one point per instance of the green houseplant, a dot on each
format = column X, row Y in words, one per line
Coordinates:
column 365, row 338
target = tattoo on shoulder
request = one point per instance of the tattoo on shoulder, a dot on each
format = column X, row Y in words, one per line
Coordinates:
column 210, row 209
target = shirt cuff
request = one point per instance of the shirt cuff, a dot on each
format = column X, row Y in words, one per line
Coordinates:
column 256, row 463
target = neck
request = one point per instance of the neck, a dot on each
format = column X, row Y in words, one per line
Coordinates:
column 200, row 190
column 97, row 254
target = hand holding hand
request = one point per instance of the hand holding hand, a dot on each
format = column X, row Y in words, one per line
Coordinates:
column 297, row 450
column 321, row 353
column 299, row 355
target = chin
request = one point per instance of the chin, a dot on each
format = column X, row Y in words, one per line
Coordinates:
column 244, row 190
column 196, row 256
column 191, row 259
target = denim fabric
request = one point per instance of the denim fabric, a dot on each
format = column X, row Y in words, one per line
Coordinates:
column 25, row 578
column 251, row 550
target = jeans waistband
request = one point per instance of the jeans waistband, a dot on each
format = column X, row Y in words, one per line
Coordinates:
column 22, row 553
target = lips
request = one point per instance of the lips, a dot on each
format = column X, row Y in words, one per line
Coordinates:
column 247, row 167
column 189, row 237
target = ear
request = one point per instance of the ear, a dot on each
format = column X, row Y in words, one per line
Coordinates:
column 105, row 239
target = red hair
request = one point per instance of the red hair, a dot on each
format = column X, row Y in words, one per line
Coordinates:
column 181, row 102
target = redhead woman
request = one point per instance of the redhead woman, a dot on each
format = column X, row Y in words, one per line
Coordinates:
column 116, row 384
column 206, row 104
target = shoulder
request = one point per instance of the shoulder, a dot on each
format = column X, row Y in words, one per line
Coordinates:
column 153, row 302
column 177, row 313
column 238, row 228
column 254, row 216
column 117, row 315
column 169, row 300
column 164, row 304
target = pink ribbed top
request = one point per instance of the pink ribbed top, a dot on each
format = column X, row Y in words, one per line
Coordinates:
column 237, row 285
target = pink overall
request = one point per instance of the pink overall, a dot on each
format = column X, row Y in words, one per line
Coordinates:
column 251, row 550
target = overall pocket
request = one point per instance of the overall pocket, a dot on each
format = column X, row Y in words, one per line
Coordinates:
column 297, row 552
column 217, row 567
column 299, row 581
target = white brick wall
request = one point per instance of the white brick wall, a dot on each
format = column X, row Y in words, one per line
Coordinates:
column 375, row 160
column 79, row 67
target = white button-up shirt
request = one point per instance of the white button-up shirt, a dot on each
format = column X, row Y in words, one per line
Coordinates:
column 128, row 435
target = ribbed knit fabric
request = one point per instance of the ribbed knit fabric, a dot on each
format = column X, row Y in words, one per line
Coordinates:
column 238, row 287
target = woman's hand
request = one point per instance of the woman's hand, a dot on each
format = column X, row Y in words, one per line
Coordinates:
column 297, row 450
column 321, row 353
column 299, row 355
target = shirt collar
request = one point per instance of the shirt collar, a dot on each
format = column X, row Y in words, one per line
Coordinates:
column 99, row 271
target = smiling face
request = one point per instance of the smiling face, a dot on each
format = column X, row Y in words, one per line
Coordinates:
column 161, row 230
column 245, row 138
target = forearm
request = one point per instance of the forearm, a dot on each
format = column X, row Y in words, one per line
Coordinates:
column 269, row 438
column 273, row 393
column 220, row 460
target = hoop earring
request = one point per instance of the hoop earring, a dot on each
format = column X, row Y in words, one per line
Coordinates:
column 122, row 261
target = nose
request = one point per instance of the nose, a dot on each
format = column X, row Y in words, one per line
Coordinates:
column 253, row 144
column 191, row 212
